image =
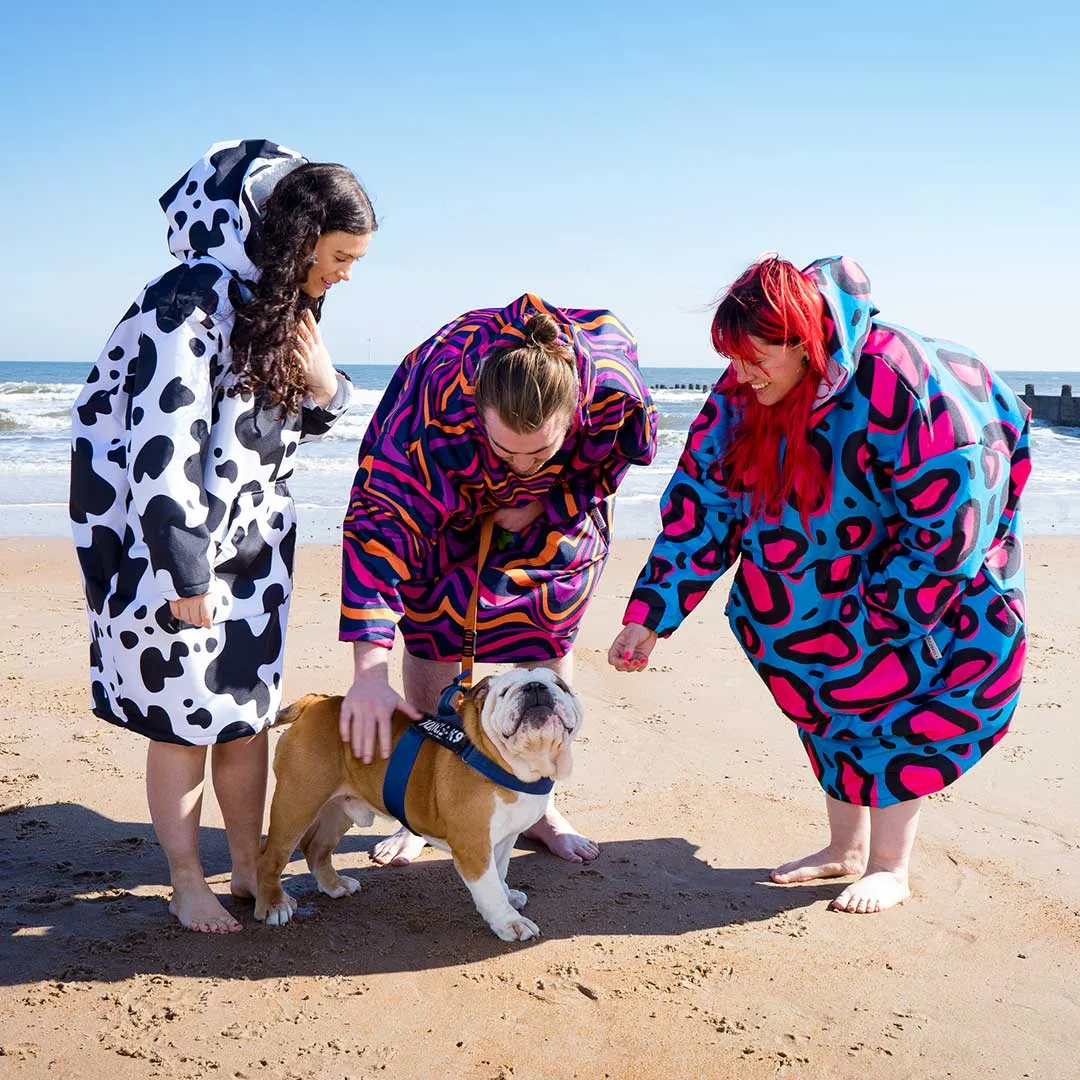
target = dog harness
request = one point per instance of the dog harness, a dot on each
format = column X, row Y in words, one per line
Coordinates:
column 446, row 730
column 445, row 727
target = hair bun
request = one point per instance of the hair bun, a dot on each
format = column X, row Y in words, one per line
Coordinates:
column 542, row 331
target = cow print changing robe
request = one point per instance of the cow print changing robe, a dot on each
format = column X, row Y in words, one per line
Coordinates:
column 178, row 489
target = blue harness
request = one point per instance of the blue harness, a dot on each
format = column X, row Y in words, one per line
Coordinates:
column 445, row 729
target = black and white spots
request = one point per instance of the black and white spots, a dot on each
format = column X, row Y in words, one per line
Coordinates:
column 179, row 488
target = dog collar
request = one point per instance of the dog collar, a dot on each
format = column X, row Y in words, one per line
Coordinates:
column 450, row 734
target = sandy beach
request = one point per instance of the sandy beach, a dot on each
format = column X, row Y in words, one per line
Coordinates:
column 670, row 957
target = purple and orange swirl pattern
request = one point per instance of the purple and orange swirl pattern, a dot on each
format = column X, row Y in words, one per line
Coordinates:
column 426, row 474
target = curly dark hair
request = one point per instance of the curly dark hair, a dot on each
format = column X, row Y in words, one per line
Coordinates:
column 313, row 199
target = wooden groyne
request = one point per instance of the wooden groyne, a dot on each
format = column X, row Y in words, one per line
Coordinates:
column 1059, row 409
column 1062, row 409
column 682, row 386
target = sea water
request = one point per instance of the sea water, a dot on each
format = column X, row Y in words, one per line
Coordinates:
column 35, row 429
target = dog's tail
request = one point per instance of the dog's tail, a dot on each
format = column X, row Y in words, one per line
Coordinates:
column 292, row 712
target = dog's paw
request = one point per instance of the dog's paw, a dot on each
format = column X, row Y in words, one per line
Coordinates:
column 339, row 885
column 517, row 898
column 517, row 929
column 276, row 912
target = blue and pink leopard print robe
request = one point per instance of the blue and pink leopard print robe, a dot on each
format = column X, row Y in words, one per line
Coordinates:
column 892, row 631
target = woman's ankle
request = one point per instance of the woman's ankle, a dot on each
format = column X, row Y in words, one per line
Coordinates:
column 853, row 857
column 187, row 875
column 884, row 864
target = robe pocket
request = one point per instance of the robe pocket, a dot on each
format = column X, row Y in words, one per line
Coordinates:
column 889, row 673
column 253, row 568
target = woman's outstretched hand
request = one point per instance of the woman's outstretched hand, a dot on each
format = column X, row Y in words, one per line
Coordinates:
column 630, row 650
column 319, row 373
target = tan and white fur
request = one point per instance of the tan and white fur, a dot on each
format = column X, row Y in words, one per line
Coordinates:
column 525, row 721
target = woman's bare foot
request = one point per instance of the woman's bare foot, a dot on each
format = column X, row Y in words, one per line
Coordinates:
column 561, row 838
column 874, row 892
column 399, row 849
column 199, row 909
column 827, row 863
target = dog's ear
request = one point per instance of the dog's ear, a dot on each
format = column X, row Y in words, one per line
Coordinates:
column 561, row 684
column 564, row 761
column 293, row 712
column 478, row 694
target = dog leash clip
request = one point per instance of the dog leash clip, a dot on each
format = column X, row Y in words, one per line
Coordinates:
column 448, row 700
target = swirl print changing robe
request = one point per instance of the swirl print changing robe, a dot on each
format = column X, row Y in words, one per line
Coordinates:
column 427, row 474
column 892, row 631
column 178, row 488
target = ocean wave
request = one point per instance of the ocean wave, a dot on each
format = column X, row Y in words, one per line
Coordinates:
column 30, row 466
column 35, row 423
column 370, row 398
column 33, row 506
column 70, row 391
column 60, row 391
column 679, row 397
column 338, row 464
column 672, row 434
column 35, row 434
column 45, row 408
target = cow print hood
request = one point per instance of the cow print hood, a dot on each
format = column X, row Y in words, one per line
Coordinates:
column 214, row 208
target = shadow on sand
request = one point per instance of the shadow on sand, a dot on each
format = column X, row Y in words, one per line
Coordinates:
column 66, row 913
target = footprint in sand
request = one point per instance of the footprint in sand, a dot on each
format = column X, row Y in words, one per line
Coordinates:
column 31, row 827
column 49, row 900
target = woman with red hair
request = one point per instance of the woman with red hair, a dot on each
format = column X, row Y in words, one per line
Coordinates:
column 866, row 480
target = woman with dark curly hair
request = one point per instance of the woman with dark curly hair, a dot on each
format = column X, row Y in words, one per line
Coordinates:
column 182, row 443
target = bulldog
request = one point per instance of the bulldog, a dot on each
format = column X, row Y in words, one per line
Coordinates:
column 523, row 721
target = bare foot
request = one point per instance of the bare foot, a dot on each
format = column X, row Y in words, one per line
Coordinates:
column 875, row 892
column 560, row 838
column 399, row 849
column 826, row 863
column 199, row 909
column 244, row 884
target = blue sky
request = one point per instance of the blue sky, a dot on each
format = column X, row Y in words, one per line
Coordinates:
column 623, row 155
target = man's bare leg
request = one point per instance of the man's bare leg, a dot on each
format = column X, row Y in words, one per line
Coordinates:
column 423, row 682
column 553, row 830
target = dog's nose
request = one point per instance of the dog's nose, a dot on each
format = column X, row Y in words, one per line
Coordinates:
column 536, row 703
column 537, row 693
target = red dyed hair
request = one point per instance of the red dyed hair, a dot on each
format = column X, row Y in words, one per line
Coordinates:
column 769, row 453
